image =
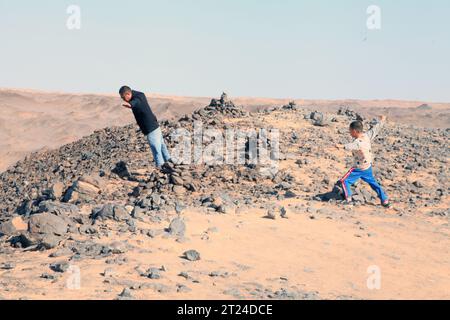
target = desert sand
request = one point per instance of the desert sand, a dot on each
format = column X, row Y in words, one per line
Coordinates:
column 320, row 250
column 327, row 258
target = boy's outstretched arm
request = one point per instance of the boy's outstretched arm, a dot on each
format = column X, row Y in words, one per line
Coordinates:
column 372, row 133
column 349, row 146
column 352, row 146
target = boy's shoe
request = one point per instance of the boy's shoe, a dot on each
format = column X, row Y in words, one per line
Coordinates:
column 348, row 202
column 387, row 204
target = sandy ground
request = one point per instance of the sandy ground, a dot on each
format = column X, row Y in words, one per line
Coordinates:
column 243, row 254
column 330, row 256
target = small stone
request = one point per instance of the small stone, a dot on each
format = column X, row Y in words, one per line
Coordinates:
column 60, row 267
column 61, row 253
column 49, row 241
column 178, row 181
column 47, row 223
column 56, row 191
column 138, row 213
column 109, row 272
column 179, row 208
column 104, row 213
column 154, row 273
column 283, row 213
column 126, row 293
column 179, row 190
column 7, row 266
column 271, row 215
column 19, row 224
column 177, row 227
column 192, row 255
column 181, row 288
column 118, row 247
column 289, row 194
column 121, row 213
column 129, row 209
column 418, row 184
column 154, row 233
column 13, row 226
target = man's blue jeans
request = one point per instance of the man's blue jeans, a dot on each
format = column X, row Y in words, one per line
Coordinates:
column 159, row 149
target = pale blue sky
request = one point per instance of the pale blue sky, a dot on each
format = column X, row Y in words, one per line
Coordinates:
column 267, row 48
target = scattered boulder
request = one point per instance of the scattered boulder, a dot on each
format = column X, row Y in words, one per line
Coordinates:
column 425, row 107
column 7, row 265
column 121, row 169
column 179, row 190
column 58, row 208
column 125, row 295
column 104, row 213
column 117, row 247
column 60, row 267
column 55, row 192
column 154, row 273
column 350, row 114
column 177, row 227
column 84, row 189
column 13, row 226
column 192, row 255
column 283, row 213
column 121, row 213
column 319, row 119
column 47, row 224
column 111, row 212
column 25, row 208
column 291, row 106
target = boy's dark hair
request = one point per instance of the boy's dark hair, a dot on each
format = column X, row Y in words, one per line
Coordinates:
column 124, row 90
column 357, row 126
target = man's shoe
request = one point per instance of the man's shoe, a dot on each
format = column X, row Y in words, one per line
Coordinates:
column 167, row 168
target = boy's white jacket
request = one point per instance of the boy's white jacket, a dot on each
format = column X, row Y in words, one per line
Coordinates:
column 362, row 147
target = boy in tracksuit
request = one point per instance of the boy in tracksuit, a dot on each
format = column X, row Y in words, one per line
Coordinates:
column 362, row 153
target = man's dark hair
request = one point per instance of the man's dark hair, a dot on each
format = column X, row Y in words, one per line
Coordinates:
column 357, row 126
column 124, row 90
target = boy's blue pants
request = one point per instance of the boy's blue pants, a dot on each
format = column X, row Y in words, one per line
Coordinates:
column 354, row 175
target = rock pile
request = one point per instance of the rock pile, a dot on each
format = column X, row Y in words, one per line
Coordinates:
column 223, row 106
column 291, row 106
column 350, row 114
column 319, row 119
